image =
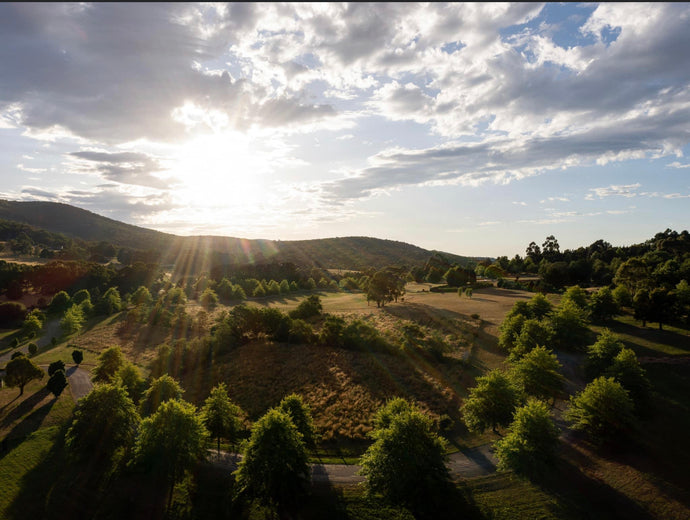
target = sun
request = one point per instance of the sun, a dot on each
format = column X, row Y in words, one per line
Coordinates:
column 220, row 170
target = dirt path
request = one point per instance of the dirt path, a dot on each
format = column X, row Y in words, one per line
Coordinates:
column 79, row 382
column 51, row 328
column 473, row 462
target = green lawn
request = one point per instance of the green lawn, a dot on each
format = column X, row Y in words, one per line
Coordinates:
column 649, row 340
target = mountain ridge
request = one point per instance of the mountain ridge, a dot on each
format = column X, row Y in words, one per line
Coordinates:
column 353, row 252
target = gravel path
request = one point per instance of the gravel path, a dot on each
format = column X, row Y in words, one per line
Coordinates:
column 51, row 328
column 79, row 382
column 473, row 462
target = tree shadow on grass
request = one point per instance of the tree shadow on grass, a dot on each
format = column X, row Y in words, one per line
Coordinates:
column 24, row 407
column 588, row 497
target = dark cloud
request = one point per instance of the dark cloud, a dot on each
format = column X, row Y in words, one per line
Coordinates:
column 124, row 167
column 114, row 72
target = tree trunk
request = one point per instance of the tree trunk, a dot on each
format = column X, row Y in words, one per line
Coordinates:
column 21, row 389
column 660, row 327
column 218, row 447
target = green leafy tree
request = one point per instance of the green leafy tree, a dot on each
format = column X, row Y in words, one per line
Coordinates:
column 73, row 320
column 33, row 349
column 109, row 303
column 275, row 467
column 626, row 369
column 577, row 295
column 538, row 374
column 491, row 403
column 171, row 441
column 622, row 297
column 529, row 446
column 32, row 326
column 208, row 299
column 603, row 305
column 307, row 308
column 163, row 389
column 406, row 462
column 57, row 382
column 222, row 417
column 108, row 363
column 569, row 325
column 130, row 378
column 104, row 422
column 300, row 413
column 21, row 370
column 539, row 306
column 600, row 355
column 661, row 306
column 642, row 306
column 77, row 356
column 142, row 296
column 604, row 410
column 60, row 303
column 81, row 296
column 534, row 333
column 55, row 366
column 509, row 331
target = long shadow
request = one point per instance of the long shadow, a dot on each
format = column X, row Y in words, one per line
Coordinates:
column 667, row 337
column 477, row 457
column 591, row 498
column 24, row 407
column 25, row 428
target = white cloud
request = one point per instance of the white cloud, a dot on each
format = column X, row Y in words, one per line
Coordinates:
column 628, row 191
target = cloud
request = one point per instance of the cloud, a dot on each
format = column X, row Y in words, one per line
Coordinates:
column 123, row 167
column 677, row 165
column 628, row 191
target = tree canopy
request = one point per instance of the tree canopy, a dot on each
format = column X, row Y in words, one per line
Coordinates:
column 491, row 403
column 221, row 416
column 275, row 467
column 300, row 413
column 21, row 370
column 109, row 362
column 162, row 389
column 538, row 374
column 406, row 462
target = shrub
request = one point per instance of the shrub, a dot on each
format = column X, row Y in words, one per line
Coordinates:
column 310, row 306
column 208, row 299
column 55, row 366
column 33, row 349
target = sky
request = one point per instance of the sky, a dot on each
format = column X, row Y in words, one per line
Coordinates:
column 467, row 128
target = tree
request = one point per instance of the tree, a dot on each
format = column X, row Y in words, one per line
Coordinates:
column 221, row 416
column 577, row 295
column 33, row 349
column 57, row 382
column 626, row 369
column 21, row 370
column 73, row 320
column 550, row 249
column 600, row 355
column 171, row 441
column 109, row 303
column 130, row 379
column 384, row 287
column 275, row 467
column 603, row 305
column 604, row 410
column 406, row 462
column 534, row 333
column 163, row 389
column 60, row 303
column 104, row 422
column 661, row 306
column 569, row 325
column 539, row 306
column 538, row 374
column 32, row 325
column 491, row 403
column 208, row 299
column 307, row 308
column 142, row 296
column 109, row 362
column 77, row 356
column 633, row 274
column 529, row 446
column 300, row 413
column 622, row 297
column 642, row 307
column 55, row 366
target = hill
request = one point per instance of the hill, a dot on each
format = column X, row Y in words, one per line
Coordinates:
column 198, row 252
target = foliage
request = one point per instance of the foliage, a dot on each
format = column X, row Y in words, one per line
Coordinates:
column 406, row 462
column 626, row 369
column 77, row 356
column 300, row 413
column 162, row 389
column 539, row 306
column 109, row 303
column 642, row 306
column 33, row 349
column 622, row 296
column 142, row 296
column 569, row 325
column 604, row 410
column 459, row 277
column 533, row 333
column 577, row 295
column 32, row 325
column 21, row 370
column 11, row 314
column 510, row 329
column 107, row 365
column 73, row 320
column 57, row 382
column 603, row 305
column 491, row 403
column 221, row 416
column 172, row 440
column 130, row 379
column 208, row 299
column 600, row 355
column 309, row 307
column 538, row 374
column 275, row 467
column 104, row 422
column 60, row 303
column 385, row 286
column 529, row 446
column 55, row 366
